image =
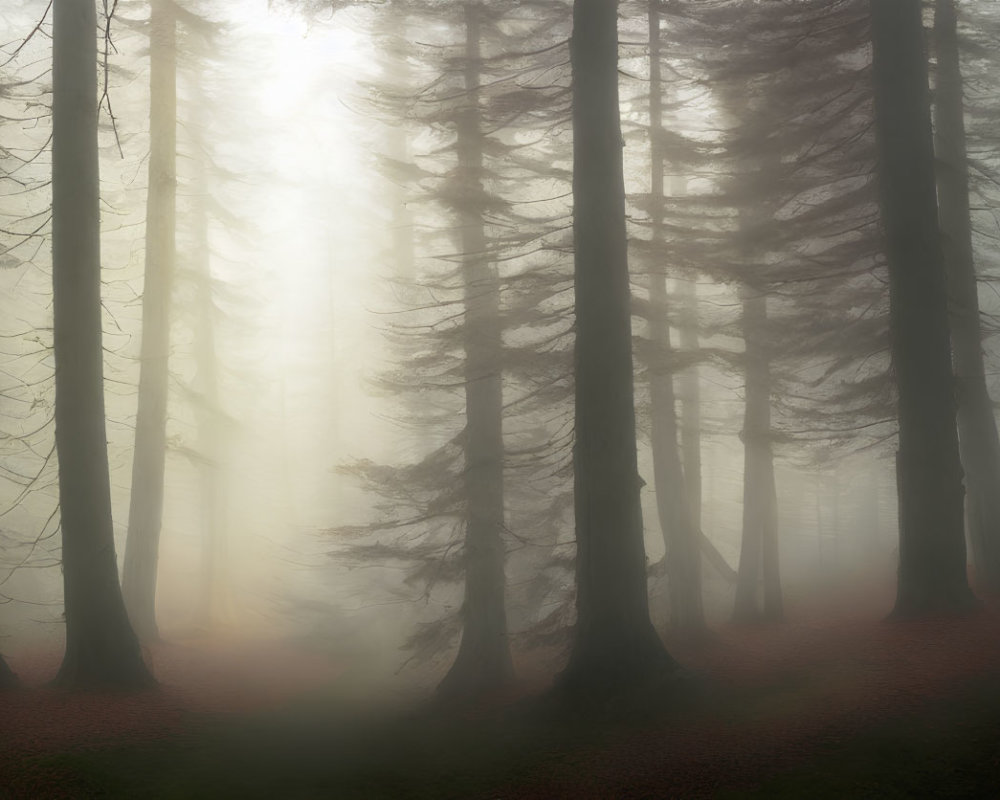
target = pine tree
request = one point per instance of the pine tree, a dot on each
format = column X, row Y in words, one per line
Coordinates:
column 614, row 644
column 483, row 661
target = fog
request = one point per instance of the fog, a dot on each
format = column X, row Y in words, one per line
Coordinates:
column 367, row 265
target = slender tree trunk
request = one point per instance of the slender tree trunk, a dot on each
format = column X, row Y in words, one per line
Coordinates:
column 774, row 604
column 212, row 423
column 146, row 504
column 871, row 505
column 681, row 538
column 819, row 520
column 932, row 563
column 759, row 545
column 614, row 645
column 689, row 386
column 101, row 647
column 483, row 661
column 977, row 429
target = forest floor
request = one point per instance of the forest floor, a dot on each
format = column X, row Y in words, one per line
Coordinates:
column 834, row 703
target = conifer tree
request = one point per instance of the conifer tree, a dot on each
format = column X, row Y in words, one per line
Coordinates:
column 149, row 456
column 614, row 646
column 680, row 531
column 932, row 558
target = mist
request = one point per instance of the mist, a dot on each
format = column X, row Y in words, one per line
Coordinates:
column 564, row 399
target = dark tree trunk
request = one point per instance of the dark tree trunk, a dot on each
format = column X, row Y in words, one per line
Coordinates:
column 483, row 662
column 8, row 679
column 101, row 648
column 614, row 645
column 932, row 563
column 680, row 537
column 146, row 504
column 759, row 544
column 978, row 441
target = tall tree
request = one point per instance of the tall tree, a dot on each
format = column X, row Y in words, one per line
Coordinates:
column 932, row 558
column 680, row 533
column 759, row 542
column 146, row 503
column 977, row 430
column 614, row 644
column 483, row 661
column 211, row 418
column 101, row 647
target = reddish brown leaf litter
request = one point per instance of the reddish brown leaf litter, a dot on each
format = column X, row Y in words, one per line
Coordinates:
column 817, row 685
column 197, row 678
column 834, row 670
column 799, row 689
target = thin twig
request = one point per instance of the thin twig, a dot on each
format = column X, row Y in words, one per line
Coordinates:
column 105, row 97
column 30, row 36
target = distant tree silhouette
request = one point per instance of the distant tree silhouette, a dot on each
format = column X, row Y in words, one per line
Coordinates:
column 681, row 532
column 149, row 455
column 477, row 286
column 483, row 661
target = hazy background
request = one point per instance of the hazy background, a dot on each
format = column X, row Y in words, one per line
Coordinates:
column 301, row 227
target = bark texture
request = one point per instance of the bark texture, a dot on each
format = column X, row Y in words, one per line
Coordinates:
column 101, row 647
column 932, row 559
column 483, row 662
column 614, row 645
column 977, row 430
column 680, row 534
column 146, row 503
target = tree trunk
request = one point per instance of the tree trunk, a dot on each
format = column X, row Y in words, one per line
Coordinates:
column 870, row 495
column 977, row 430
column 774, row 605
column 759, row 544
column 212, row 423
column 680, row 537
column 614, row 644
column 932, row 563
column 483, row 661
column 146, row 504
column 8, row 679
column 690, row 394
column 101, row 647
